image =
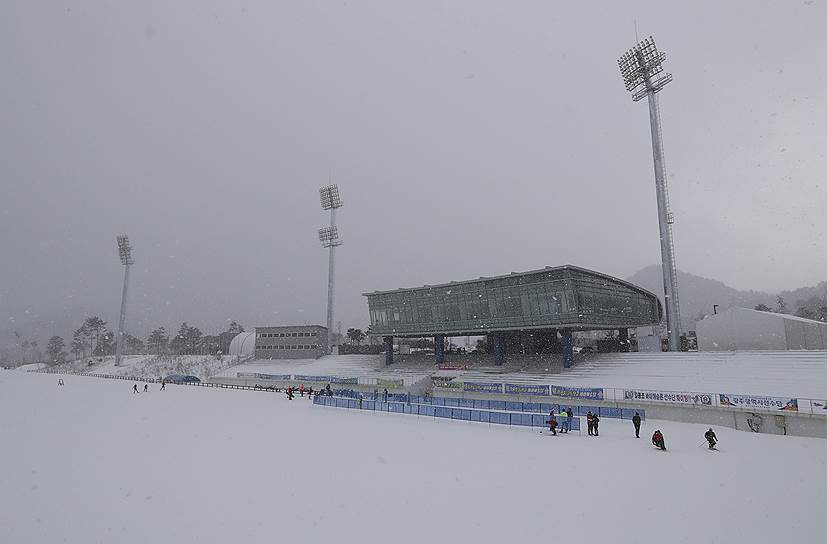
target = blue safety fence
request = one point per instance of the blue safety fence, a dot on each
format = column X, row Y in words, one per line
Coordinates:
column 448, row 412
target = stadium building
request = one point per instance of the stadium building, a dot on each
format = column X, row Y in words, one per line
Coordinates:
column 534, row 312
column 299, row 342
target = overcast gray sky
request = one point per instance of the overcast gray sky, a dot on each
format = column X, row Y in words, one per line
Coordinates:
column 468, row 138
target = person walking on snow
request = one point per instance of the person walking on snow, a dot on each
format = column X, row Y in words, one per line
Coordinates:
column 163, row 386
column 636, row 423
column 301, row 390
column 290, row 393
column 711, row 438
column 595, row 422
column 569, row 417
column 590, row 422
column 146, row 388
column 658, row 440
column 135, row 388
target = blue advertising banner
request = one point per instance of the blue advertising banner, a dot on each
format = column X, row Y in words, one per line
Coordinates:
column 303, row 378
column 334, row 379
column 483, row 387
column 591, row 393
column 751, row 401
column 526, row 389
column 280, row 377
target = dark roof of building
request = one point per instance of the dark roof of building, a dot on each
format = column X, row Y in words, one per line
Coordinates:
column 483, row 279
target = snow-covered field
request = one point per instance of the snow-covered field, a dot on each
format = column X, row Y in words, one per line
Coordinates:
column 92, row 462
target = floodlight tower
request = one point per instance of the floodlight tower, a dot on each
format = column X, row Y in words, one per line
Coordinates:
column 125, row 252
column 642, row 71
column 329, row 237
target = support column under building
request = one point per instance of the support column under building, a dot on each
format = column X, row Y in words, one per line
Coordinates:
column 568, row 348
column 499, row 348
column 623, row 340
column 439, row 348
column 388, row 341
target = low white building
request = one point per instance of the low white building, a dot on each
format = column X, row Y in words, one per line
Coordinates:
column 745, row 329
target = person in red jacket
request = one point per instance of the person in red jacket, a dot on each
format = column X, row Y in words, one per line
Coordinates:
column 658, row 440
column 301, row 390
column 552, row 423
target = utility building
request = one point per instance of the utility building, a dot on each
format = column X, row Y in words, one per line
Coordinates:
column 745, row 329
column 541, row 308
column 300, row 342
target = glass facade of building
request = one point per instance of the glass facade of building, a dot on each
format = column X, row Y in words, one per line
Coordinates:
column 560, row 297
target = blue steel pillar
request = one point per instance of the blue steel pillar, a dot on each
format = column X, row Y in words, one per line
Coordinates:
column 568, row 348
column 499, row 349
column 388, row 340
column 439, row 348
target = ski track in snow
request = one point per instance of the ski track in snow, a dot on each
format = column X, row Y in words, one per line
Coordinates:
column 93, row 462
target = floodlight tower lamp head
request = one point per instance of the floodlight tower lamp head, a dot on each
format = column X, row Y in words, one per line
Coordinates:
column 329, row 197
column 125, row 250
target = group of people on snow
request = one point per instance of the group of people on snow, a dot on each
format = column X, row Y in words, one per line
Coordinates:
column 593, row 421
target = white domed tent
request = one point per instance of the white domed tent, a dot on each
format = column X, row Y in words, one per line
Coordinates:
column 243, row 345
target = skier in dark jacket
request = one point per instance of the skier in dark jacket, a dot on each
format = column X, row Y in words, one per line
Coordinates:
column 163, row 386
column 590, row 422
column 328, row 391
column 636, row 423
column 711, row 438
column 135, row 388
column 595, row 422
column 290, row 393
column 658, row 440
column 146, row 388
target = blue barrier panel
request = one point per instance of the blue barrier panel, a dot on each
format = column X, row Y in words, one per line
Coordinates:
column 485, row 417
column 546, row 408
column 514, row 406
column 353, row 403
column 466, row 403
column 426, row 410
column 521, row 419
column 475, row 415
column 481, row 404
column 410, row 409
column 438, row 401
column 442, row 411
column 461, row 413
column 497, row 404
column 396, row 407
column 609, row 412
column 454, row 403
column 502, row 418
column 583, row 410
column 629, row 413
column 538, row 420
column 369, row 405
column 531, row 407
column 575, row 424
column 381, row 406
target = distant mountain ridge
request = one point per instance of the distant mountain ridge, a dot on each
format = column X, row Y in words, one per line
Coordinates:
column 699, row 294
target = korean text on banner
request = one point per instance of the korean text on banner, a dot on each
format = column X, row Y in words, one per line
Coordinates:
column 751, row 401
column 525, row 389
column 278, row 377
column 668, row 396
column 590, row 393
column 483, row 387
column 304, row 378
column 344, row 381
column 446, row 383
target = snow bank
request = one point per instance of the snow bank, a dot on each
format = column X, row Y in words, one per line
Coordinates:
column 96, row 463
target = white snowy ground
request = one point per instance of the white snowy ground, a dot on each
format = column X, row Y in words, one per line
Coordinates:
column 91, row 462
